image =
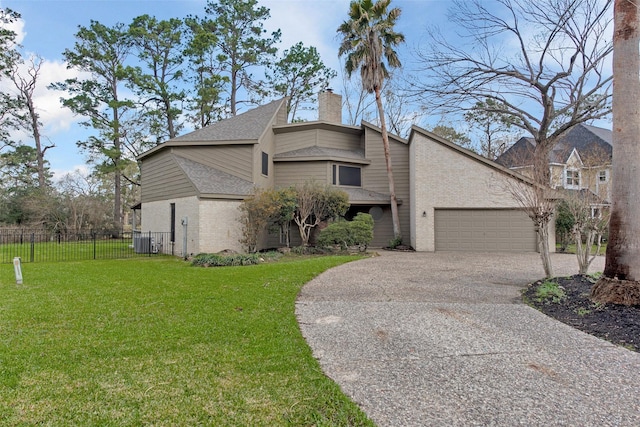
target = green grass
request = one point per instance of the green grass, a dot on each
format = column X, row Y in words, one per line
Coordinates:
column 550, row 291
column 571, row 249
column 158, row 342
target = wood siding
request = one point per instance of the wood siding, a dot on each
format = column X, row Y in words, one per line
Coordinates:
column 162, row 178
column 374, row 177
column 291, row 173
column 290, row 141
column 236, row 160
column 266, row 145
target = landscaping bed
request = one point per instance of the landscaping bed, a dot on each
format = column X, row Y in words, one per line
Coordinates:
column 567, row 299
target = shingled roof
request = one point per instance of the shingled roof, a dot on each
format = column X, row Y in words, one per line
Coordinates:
column 243, row 128
column 246, row 126
column 585, row 139
column 208, row 180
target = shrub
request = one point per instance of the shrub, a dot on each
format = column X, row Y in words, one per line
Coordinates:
column 358, row 232
column 218, row 260
column 395, row 242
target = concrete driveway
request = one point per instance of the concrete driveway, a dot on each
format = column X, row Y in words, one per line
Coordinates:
column 442, row 339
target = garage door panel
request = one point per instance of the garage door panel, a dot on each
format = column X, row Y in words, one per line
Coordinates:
column 484, row 230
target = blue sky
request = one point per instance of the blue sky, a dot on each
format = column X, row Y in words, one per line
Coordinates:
column 48, row 28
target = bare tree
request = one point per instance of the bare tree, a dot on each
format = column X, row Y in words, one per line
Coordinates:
column 542, row 62
column 27, row 116
column 538, row 202
column 357, row 101
column 589, row 225
column 620, row 282
column 400, row 114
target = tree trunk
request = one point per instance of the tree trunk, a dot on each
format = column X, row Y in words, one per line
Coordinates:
column 543, row 247
column 544, row 209
column 234, row 90
column 620, row 283
column 397, row 232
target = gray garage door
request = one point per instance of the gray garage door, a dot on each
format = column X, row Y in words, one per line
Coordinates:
column 484, row 230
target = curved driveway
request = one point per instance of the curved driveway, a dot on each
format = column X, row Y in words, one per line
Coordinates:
column 442, row 339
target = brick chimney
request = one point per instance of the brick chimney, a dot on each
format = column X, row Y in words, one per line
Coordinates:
column 330, row 107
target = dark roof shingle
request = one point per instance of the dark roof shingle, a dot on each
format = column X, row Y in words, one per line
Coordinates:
column 208, row 180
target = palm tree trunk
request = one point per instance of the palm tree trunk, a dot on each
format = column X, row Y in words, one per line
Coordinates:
column 397, row 233
column 620, row 282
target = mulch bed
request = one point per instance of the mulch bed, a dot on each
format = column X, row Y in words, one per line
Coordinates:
column 615, row 323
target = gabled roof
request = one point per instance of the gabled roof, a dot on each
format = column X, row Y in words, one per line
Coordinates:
column 245, row 128
column 209, row 181
column 592, row 144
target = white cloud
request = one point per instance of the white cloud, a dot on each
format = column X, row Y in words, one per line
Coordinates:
column 54, row 117
column 17, row 27
column 305, row 21
column 81, row 169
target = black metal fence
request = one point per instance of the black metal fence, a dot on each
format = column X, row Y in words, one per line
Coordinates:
column 44, row 246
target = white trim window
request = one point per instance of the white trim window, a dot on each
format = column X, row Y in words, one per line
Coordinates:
column 572, row 178
column 603, row 176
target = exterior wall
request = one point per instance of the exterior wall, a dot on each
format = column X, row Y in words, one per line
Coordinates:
column 162, row 178
column 603, row 188
column 374, row 177
column 212, row 225
column 340, row 140
column 291, row 173
column 443, row 177
column 266, row 145
column 290, row 141
column 156, row 217
column 219, row 228
column 557, row 176
column 589, row 178
column 295, row 140
column 236, row 160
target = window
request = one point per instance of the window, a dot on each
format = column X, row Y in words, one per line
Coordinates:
column 347, row 175
column 573, row 179
column 265, row 164
column 602, row 176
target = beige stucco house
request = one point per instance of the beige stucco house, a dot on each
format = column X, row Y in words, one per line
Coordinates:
column 449, row 198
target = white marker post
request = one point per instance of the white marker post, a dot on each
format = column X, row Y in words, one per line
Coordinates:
column 18, row 269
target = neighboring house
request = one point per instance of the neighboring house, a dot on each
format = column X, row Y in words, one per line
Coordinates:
column 447, row 195
column 580, row 160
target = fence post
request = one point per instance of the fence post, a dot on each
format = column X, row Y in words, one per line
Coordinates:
column 93, row 236
column 33, row 246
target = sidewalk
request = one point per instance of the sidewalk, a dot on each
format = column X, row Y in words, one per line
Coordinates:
column 441, row 339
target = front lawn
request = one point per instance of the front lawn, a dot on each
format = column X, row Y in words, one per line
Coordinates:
column 158, row 342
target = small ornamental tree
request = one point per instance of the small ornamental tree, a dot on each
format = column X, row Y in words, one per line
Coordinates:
column 316, row 203
column 256, row 212
column 588, row 227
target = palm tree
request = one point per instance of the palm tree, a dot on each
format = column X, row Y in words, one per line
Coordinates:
column 369, row 40
column 620, row 282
